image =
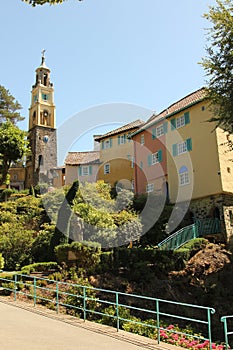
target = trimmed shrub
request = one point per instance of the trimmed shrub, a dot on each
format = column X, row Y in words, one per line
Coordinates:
column 39, row 267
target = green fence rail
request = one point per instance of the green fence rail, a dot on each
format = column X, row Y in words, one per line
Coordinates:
column 89, row 300
column 200, row 228
column 225, row 320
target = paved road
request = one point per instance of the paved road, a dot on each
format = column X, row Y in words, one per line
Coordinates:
column 25, row 328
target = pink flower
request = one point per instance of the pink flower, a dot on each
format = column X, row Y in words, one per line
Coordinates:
column 201, row 346
column 171, row 326
column 175, row 336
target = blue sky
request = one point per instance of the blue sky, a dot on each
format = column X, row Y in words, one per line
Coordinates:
column 141, row 53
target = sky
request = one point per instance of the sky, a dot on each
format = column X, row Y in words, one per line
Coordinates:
column 111, row 61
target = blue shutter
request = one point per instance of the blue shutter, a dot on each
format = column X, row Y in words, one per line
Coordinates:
column 90, row 169
column 141, row 164
column 165, row 127
column 110, row 142
column 173, row 124
column 153, row 133
column 189, row 144
column 186, row 117
column 119, row 139
column 79, row 171
column 160, row 157
column 149, row 159
column 174, row 150
column 124, row 138
column 102, row 144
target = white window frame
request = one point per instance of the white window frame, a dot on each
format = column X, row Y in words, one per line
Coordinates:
column 121, row 139
column 155, row 158
column 159, row 130
column 180, row 121
column 85, row 170
column 106, row 168
column 182, row 147
column 184, row 178
column 150, row 187
column 106, row 144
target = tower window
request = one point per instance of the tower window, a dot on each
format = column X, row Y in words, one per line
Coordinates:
column 41, row 160
column 45, row 97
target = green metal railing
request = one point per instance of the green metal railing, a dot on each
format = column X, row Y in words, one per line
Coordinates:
column 200, row 228
column 225, row 320
column 90, row 300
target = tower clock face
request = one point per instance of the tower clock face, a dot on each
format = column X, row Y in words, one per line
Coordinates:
column 45, row 138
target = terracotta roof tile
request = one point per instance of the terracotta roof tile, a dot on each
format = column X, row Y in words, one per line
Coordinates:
column 76, row 158
column 133, row 125
column 176, row 107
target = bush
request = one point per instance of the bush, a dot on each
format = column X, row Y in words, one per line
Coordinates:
column 83, row 255
column 39, row 267
column 1, row 262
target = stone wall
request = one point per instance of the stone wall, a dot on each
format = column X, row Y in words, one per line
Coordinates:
column 216, row 206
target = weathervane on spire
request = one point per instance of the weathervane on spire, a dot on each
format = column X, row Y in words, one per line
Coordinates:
column 43, row 57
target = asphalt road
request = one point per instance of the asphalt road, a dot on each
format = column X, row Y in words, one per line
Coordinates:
column 22, row 329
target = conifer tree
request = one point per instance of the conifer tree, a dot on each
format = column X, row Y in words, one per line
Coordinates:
column 218, row 64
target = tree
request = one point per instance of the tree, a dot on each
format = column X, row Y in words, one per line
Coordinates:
column 218, row 64
column 13, row 146
column 42, row 2
column 9, row 107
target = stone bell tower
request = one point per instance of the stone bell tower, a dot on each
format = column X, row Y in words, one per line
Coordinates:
column 42, row 130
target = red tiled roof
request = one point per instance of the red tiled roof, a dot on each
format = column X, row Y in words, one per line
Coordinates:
column 133, row 125
column 76, row 158
column 176, row 107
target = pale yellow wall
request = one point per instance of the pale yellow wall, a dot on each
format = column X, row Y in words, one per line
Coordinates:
column 118, row 158
column 202, row 161
column 225, row 159
column 72, row 174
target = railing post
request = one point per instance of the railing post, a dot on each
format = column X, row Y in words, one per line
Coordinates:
column 84, row 303
column 34, row 291
column 117, row 311
column 57, row 297
column 15, row 287
column 224, row 320
column 158, row 320
column 209, row 328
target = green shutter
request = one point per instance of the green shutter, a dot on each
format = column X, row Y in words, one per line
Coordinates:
column 124, row 138
column 110, row 142
column 160, row 157
column 102, row 144
column 141, row 164
column 119, row 139
column 189, row 144
column 173, row 124
column 165, row 127
column 90, row 169
column 174, row 150
column 80, row 171
column 153, row 133
column 149, row 159
column 186, row 117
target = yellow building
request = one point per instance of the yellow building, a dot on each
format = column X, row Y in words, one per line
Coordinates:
column 117, row 156
column 199, row 161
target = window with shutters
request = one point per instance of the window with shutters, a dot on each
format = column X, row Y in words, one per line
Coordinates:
column 106, row 144
column 159, row 130
column 180, row 121
column 181, row 147
column 85, row 170
column 155, row 158
column 122, row 139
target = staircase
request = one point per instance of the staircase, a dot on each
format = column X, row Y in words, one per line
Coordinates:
column 200, row 228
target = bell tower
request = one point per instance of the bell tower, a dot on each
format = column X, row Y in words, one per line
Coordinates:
column 42, row 129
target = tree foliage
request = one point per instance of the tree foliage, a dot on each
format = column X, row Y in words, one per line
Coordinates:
column 13, row 146
column 43, row 2
column 218, row 64
column 9, row 107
